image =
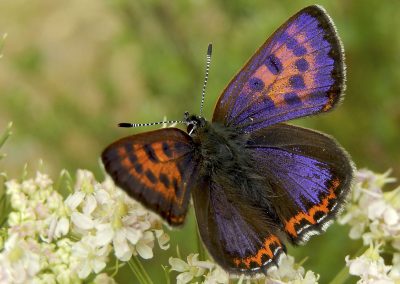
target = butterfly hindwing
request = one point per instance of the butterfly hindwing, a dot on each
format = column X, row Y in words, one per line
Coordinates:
column 155, row 168
column 240, row 238
column 309, row 173
column 298, row 71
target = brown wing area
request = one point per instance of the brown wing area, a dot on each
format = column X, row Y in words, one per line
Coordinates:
column 155, row 168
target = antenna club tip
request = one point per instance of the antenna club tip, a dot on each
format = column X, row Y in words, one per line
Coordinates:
column 124, row 124
column 209, row 49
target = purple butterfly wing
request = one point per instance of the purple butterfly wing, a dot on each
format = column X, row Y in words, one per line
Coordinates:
column 240, row 238
column 298, row 71
column 309, row 173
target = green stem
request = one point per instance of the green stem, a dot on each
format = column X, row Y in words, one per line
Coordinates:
column 135, row 271
column 142, row 271
column 341, row 277
column 167, row 279
column 6, row 134
column 116, row 268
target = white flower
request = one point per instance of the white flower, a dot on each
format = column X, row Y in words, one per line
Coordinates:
column 290, row 272
column 372, row 214
column 103, row 278
column 217, row 275
column 370, row 267
column 144, row 246
column 127, row 229
column 90, row 258
column 195, row 268
column 188, row 270
column 57, row 227
column 107, row 213
column 82, row 221
column 18, row 262
column 162, row 238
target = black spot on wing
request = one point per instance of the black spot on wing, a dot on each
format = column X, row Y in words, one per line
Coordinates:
column 291, row 99
column 132, row 157
column 297, row 82
column 177, row 188
column 302, row 65
column 152, row 178
column 166, row 149
column 318, row 215
column 128, row 147
column 138, row 168
column 299, row 226
column 164, row 179
column 256, row 84
column 295, row 47
column 273, row 64
column 151, row 155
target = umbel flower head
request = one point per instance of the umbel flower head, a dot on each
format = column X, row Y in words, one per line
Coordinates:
column 51, row 239
column 374, row 215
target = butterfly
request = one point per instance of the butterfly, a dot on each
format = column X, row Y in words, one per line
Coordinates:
column 256, row 182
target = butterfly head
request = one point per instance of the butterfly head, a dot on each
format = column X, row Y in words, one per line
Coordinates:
column 193, row 122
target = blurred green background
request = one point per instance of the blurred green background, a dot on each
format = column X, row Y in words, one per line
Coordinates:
column 71, row 70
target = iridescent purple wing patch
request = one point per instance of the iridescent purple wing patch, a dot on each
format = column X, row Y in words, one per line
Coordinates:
column 298, row 71
column 308, row 173
column 241, row 239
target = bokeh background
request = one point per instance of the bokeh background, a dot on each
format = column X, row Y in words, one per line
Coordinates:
column 71, row 70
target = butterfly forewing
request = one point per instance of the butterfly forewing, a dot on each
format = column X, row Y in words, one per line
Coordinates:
column 298, row 71
column 309, row 173
column 155, row 168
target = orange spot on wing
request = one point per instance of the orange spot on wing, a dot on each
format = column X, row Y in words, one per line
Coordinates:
column 265, row 75
column 331, row 101
column 163, row 166
column 257, row 258
column 309, row 216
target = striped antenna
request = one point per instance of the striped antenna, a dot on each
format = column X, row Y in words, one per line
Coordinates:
column 128, row 124
column 208, row 62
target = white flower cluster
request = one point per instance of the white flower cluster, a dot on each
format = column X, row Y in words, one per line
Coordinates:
column 371, row 267
column 374, row 217
column 52, row 240
column 105, row 217
column 208, row 272
column 291, row 273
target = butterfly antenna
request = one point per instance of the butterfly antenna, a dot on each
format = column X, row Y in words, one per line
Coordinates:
column 208, row 62
column 128, row 124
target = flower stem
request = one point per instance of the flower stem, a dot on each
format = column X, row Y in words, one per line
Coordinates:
column 341, row 277
column 5, row 135
column 168, row 281
column 140, row 269
column 116, row 268
column 136, row 271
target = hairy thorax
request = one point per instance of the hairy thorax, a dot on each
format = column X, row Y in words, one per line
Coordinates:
column 220, row 149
